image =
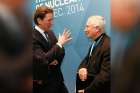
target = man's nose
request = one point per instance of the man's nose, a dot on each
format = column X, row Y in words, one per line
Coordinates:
column 85, row 30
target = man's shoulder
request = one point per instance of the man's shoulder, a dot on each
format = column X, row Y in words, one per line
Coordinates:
column 106, row 42
column 35, row 33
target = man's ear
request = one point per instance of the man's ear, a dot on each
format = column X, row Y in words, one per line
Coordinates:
column 39, row 21
column 97, row 29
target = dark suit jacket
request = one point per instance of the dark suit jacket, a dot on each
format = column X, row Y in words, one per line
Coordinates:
column 45, row 52
column 98, row 65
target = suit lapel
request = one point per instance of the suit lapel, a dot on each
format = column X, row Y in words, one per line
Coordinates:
column 96, row 51
column 52, row 38
column 98, row 45
column 41, row 38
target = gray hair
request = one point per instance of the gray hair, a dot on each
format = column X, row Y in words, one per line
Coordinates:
column 97, row 21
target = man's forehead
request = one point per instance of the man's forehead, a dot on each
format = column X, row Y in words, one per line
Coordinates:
column 89, row 22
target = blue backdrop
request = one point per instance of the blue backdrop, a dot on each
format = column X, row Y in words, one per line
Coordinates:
column 73, row 15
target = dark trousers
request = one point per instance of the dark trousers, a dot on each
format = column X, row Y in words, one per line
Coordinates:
column 53, row 87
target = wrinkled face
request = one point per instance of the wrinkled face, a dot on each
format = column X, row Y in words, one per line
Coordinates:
column 90, row 30
column 47, row 22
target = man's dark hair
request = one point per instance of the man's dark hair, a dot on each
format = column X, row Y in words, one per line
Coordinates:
column 41, row 12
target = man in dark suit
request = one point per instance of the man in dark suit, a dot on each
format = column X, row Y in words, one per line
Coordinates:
column 94, row 71
column 48, row 53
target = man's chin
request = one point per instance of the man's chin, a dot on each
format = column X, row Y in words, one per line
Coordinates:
column 88, row 36
column 48, row 29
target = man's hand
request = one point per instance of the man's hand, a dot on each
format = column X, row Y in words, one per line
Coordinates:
column 55, row 62
column 81, row 91
column 83, row 74
column 65, row 37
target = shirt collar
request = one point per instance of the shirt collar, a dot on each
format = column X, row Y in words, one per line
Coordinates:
column 39, row 29
column 99, row 37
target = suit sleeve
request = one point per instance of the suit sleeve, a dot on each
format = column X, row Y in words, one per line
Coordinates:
column 84, row 63
column 101, row 80
column 47, row 57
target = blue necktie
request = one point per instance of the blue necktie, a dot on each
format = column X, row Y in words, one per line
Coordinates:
column 92, row 48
